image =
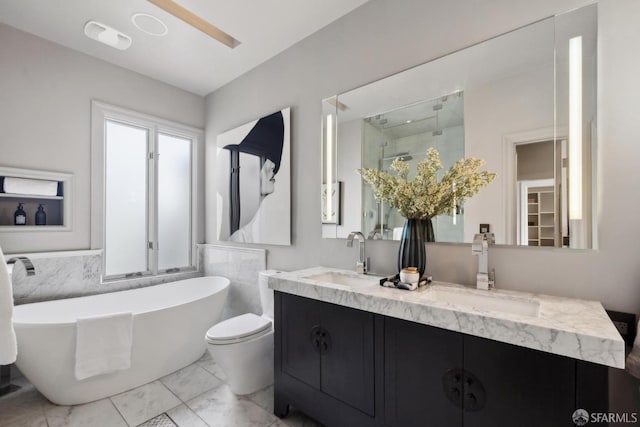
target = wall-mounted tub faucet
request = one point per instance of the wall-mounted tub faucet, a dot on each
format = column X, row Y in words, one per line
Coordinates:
column 28, row 265
column 361, row 265
column 480, row 247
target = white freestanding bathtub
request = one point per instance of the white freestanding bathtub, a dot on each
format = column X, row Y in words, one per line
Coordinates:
column 169, row 325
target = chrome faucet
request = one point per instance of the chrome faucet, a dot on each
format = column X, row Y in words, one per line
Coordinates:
column 374, row 235
column 480, row 247
column 28, row 265
column 361, row 265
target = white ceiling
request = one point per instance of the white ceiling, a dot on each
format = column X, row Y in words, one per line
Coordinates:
column 185, row 57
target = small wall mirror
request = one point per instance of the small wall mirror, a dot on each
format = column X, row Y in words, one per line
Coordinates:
column 524, row 102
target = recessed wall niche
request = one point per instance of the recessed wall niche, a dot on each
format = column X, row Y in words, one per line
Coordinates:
column 29, row 189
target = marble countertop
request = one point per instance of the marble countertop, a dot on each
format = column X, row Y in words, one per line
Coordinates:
column 570, row 327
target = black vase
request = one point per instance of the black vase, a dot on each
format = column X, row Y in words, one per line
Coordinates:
column 412, row 252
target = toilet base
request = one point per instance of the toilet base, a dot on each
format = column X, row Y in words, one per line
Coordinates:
column 248, row 365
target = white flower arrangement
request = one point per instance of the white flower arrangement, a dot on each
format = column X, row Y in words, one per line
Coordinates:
column 425, row 196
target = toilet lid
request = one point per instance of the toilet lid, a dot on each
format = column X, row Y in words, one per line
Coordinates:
column 239, row 328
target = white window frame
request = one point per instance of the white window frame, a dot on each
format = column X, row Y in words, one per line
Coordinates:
column 102, row 112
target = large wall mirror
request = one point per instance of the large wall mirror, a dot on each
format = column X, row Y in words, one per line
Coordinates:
column 525, row 102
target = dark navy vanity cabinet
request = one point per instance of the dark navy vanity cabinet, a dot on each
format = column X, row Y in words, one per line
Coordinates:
column 347, row 367
column 325, row 360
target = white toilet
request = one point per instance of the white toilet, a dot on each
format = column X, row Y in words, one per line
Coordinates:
column 243, row 345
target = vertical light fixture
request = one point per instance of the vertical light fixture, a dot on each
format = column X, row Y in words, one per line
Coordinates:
column 575, row 128
column 329, row 167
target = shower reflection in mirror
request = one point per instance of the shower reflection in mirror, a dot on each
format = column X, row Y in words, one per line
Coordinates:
column 407, row 133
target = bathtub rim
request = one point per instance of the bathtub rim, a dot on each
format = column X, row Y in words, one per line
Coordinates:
column 23, row 324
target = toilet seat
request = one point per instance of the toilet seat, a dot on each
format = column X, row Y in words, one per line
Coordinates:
column 240, row 328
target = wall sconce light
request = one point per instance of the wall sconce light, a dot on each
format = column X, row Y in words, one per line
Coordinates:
column 575, row 128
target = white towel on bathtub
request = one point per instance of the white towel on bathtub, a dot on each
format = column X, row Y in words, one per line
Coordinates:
column 103, row 344
column 8, row 346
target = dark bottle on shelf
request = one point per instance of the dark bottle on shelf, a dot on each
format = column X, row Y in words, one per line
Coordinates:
column 20, row 217
column 41, row 216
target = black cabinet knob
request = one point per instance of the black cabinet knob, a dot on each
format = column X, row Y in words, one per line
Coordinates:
column 451, row 385
column 475, row 395
column 315, row 339
column 326, row 342
column 470, row 400
column 455, row 393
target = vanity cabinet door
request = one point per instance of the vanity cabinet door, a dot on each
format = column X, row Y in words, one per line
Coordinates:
column 325, row 361
column 521, row 386
column 300, row 339
column 422, row 375
column 347, row 356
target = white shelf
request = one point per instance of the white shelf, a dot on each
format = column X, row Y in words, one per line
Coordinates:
column 28, row 196
column 545, row 219
column 22, row 228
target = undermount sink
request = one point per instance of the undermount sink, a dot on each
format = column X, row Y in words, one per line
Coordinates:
column 490, row 302
column 344, row 279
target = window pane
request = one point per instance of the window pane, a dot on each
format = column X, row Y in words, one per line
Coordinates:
column 174, row 202
column 126, row 199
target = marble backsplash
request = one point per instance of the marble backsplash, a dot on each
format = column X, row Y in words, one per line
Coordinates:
column 79, row 273
column 241, row 266
column 72, row 275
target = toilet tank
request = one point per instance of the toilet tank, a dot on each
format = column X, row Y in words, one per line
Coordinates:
column 266, row 294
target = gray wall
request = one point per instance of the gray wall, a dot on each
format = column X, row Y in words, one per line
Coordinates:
column 383, row 37
column 45, row 109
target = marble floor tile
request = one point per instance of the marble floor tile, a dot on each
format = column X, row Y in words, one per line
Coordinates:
column 145, row 402
column 189, row 382
column 30, row 420
column 296, row 419
column 161, row 420
column 23, row 407
column 98, row 413
column 183, row 416
column 221, row 408
column 205, row 356
column 263, row 398
column 211, row 366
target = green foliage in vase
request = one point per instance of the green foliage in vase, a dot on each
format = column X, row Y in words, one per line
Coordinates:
column 425, row 196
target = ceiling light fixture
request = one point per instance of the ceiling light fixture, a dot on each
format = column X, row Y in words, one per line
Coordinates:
column 107, row 35
column 195, row 21
column 149, row 24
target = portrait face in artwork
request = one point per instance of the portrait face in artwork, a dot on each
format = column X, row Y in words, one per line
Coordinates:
column 267, row 178
column 254, row 162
